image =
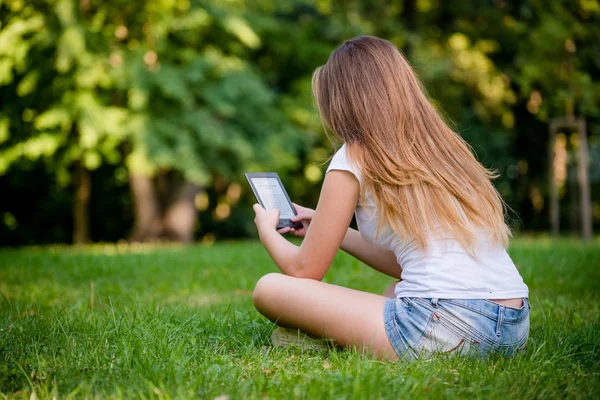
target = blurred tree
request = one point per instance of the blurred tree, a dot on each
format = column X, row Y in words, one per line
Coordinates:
column 55, row 85
column 163, row 86
column 178, row 97
column 558, row 75
column 200, row 112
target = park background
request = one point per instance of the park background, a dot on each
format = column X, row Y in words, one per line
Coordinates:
column 127, row 121
column 135, row 120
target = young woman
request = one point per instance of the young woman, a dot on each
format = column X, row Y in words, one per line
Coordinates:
column 427, row 215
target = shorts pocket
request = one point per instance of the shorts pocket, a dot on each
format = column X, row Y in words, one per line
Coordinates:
column 515, row 335
column 455, row 329
column 441, row 338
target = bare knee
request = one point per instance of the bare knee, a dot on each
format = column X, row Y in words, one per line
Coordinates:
column 266, row 291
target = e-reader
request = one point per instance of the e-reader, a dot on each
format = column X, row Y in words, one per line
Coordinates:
column 271, row 195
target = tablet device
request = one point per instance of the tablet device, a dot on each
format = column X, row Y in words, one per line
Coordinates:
column 271, row 195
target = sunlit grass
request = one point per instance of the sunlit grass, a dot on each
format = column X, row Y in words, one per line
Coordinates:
column 172, row 321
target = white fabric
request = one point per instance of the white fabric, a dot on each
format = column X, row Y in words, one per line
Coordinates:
column 446, row 270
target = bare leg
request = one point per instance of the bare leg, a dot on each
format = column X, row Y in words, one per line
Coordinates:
column 350, row 318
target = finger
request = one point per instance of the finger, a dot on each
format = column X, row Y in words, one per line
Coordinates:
column 257, row 208
column 299, row 216
column 284, row 230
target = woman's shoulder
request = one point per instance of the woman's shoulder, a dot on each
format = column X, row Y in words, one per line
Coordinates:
column 341, row 161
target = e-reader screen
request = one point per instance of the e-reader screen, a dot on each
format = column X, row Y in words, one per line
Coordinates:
column 272, row 196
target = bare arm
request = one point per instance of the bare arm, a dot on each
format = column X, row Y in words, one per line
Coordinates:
column 381, row 260
column 327, row 230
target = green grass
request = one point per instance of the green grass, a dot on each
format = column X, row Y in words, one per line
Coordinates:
column 179, row 322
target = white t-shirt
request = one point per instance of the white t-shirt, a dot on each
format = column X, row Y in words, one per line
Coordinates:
column 446, row 270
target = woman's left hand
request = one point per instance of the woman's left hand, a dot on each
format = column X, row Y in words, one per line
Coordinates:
column 265, row 219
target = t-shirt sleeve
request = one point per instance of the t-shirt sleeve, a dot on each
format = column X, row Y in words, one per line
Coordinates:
column 341, row 162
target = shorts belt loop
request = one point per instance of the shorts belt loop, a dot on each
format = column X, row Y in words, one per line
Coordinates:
column 500, row 320
column 434, row 301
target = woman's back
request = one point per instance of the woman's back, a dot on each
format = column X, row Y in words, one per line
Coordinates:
column 445, row 269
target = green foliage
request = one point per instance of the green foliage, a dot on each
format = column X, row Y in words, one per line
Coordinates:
column 171, row 80
column 559, row 58
column 199, row 105
column 179, row 322
column 209, row 88
column 56, row 89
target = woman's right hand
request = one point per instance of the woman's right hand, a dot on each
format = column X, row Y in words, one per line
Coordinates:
column 304, row 216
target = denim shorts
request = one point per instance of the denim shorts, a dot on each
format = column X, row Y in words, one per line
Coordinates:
column 419, row 327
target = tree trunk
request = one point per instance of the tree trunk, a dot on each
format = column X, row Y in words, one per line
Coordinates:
column 584, row 182
column 181, row 213
column 573, row 199
column 554, row 204
column 81, row 202
column 148, row 224
column 158, row 215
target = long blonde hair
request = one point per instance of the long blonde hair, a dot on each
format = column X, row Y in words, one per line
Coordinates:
column 421, row 174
